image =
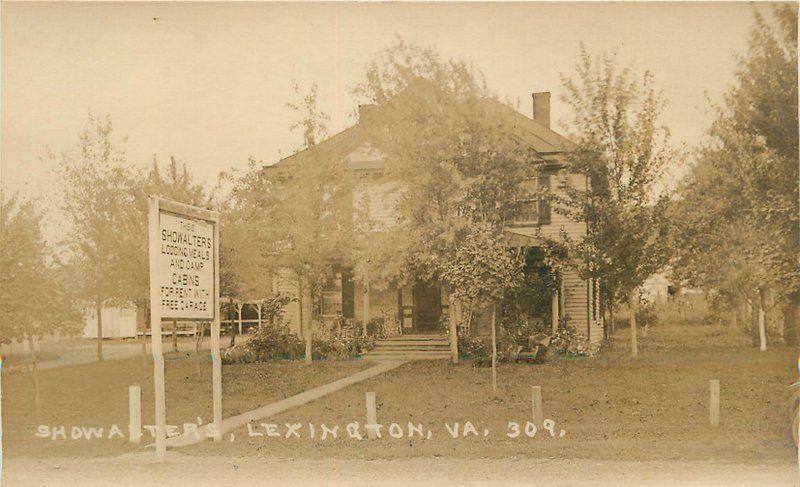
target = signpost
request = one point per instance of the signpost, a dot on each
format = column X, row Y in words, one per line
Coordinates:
column 184, row 285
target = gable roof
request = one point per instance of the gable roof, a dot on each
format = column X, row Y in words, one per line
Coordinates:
column 351, row 142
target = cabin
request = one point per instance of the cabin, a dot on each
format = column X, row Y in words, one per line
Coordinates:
column 420, row 308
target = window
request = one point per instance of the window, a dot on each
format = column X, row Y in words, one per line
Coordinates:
column 535, row 209
column 331, row 299
column 338, row 295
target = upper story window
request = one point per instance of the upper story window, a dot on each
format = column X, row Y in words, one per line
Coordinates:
column 535, row 208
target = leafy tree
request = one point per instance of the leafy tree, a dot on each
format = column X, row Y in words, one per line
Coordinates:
column 482, row 269
column 97, row 205
column 297, row 217
column 35, row 297
column 623, row 150
column 737, row 216
column 171, row 181
column 457, row 164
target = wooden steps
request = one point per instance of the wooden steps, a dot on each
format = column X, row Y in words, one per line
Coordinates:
column 410, row 347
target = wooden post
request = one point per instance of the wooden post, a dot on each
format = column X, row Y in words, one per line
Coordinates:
column 260, row 307
column 634, row 344
column 372, row 415
column 453, row 330
column 536, row 403
column 155, row 332
column 216, row 359
column 494, row 349
column 713, row 403
column 174, row 335
column 135, row 414
column 554, row 312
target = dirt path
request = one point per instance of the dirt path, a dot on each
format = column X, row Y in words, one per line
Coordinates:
column 85, row 352
column 135, row 470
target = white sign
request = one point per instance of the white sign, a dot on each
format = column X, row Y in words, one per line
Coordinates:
column 186, row 267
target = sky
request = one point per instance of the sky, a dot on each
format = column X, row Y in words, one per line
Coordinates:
column 209, row 83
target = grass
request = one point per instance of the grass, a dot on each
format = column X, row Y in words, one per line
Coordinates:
column 610, row 407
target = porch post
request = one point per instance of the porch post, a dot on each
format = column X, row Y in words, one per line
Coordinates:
column 554, row 311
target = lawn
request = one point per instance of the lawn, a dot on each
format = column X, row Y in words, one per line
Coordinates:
column 611, row 407
column 94, row 395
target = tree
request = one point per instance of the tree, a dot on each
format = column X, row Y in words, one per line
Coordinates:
column 97, row 204
column 171, row 181
column 34, row 294
column 482, row 270
column 623, row 150
column 456, row 162
column 297, row 217
column 737, row 216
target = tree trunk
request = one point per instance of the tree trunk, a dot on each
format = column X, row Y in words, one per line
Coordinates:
column 494, row 349
column 174, row 335
column 365, row 306
column 612, row 326
column 198, row 343
column 239, row 309
column 35, row 364
column 762, row 330
column 99, row 310
column 453, row 330
column 634, row 344
column 305, row 322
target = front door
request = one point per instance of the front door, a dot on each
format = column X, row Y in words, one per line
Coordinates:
column 427, row 308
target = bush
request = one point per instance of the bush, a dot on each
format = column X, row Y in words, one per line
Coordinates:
column 568, row 342
column 479, row 349
column 474, row 347
column 646, row 314
column 277, row 342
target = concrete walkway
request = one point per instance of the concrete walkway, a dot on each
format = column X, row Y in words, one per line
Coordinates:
column 230, row 424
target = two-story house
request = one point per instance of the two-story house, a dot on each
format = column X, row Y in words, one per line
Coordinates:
column 418, row 308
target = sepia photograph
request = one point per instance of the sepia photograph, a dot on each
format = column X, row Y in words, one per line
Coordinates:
column 411, row 243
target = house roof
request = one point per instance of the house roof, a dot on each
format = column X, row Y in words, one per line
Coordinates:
column 351, row 143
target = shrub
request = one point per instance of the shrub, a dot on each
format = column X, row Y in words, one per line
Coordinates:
column 646, row 314
column 568, row 342
column 277, row 342
column 479, row 349
column 474, row 347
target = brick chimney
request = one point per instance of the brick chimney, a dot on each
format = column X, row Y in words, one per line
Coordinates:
column 365, row 111
column 541, row 108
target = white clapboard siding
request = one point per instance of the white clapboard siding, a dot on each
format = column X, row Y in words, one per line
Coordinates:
column 379, row 202
column 577, row 293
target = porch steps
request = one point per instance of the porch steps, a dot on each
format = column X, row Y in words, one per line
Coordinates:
column 410, row 347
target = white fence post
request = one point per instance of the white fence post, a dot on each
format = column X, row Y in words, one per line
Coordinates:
column 135, row 414
column 713, row 403
column 372, row 415
column 536, row 402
